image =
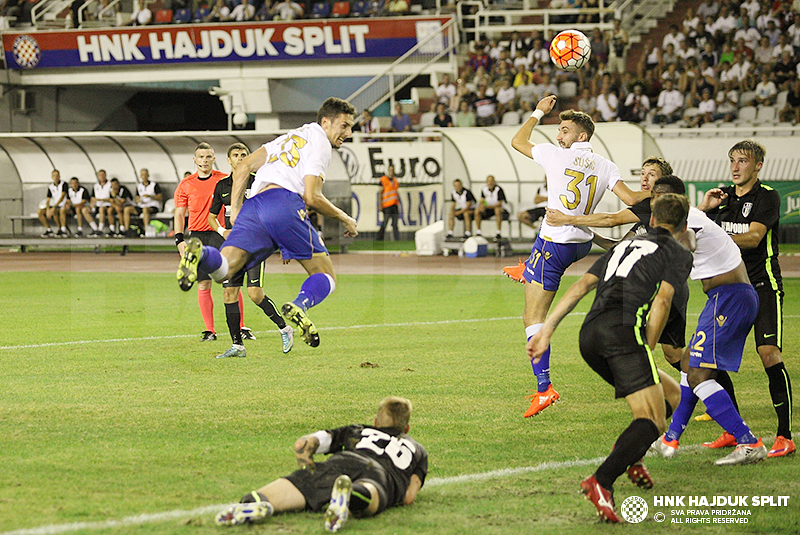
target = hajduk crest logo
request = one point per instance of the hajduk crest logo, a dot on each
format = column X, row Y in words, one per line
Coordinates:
column 634, row 509
column 26, row 51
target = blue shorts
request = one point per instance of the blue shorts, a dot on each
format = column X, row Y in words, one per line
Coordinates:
column 723, row 327
column 275, row 219
column 548, row 261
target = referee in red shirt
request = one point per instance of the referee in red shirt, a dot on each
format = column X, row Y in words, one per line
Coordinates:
column 194, row 194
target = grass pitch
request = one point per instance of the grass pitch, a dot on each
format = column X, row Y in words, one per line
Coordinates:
column 111, row 407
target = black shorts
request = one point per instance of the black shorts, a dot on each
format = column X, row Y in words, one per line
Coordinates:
column 150, row 209
column 618, row 354
column 768, row 327
column 316, row 486
column 674, row 332
column 488, row 213
column 253, row 277
column 210, row 238
column 535, row 214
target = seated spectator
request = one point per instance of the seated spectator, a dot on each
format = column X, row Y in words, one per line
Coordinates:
column 685, row 51
column 706, row 110
column 785, row 71
column 528, row 92
column 506, row 94
column 794, row 31
column 752, row 7
column 401, row 121
column 762, row 53
column 479, row 59
column 219, row 12
column 502, row 68
column 773, row 32
column 518, row 46
column 141, row 16
column 783, row 46
column 588, row 102
column 521, row 76
column 485, row 107
column 242, row 12
column 368, row 124
column 492, row 204
column 674, row 38
column 690, row 21
column 669, row 106
column 725, row 23
column 520, row 59
column 671, row 73
column 708, row 8
column 617, row 48
column 397, row 7
column 546, row 87
column 462, row 209
column 442, row 119
column 120, row 199
column 748, row 33
column 727, row 102
column 287, row 10
column 710, row 55
column 446, row 92
column 668, row 56
column 726, row 56
column 147, row 202
column 791, row 112
column 607, row 103
column 743, row 49
column 465, row 117
column 766, row 92
column 651, row 59
column 741, row 71
column 637, row 105
column 426, row 119
column 52, row 209
column 78, row 204
column 763, row 18
column 481, row 77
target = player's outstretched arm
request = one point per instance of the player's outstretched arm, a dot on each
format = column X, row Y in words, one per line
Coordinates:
column 538, row 344
column 317, row 201
column 601, row 220
column 712, row 199
column 659, row 312
column 627, row 195
column 521, row 140
column 412, row 490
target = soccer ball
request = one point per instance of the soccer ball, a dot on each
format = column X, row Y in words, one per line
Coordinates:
column 570, row 50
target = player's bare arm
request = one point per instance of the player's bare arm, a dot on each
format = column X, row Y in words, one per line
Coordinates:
column 315, row 199
column 712, row 199
column 751, row 238
column 304, row 449
column 241, row 174
column 602, row 220
column 413, row 488
column 659, row 312
column 538, row 344
column 605, row 243
column 179, row 223
column 521, row 140
column 627, row 195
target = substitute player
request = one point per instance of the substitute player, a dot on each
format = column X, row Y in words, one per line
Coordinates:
column 576, row 181
column 194, row 195
column 635, row 282
column 231, row 294
column 749, row 212
column 718, row 341
column 371, row 468
column 290, row 171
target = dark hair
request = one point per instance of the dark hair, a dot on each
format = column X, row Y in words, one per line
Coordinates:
column 583, row 120
column 203, row 146
column 750, row 147
column 661, row 163
column 334, row 107
column 114, row 181
column 672, row 183
column 240, row 146
column 671, row 209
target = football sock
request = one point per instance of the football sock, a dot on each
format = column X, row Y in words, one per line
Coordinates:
column 206, row 308
column 359, row 499
column 93, row 225
column 254, row 497
column 233, row 317
column 683, row 412
column 269, row 308
column 780, row 390
column 719, row 406
column 542, row 368
column 724, row 380
column 630, row 447
column 314, row 289
column 241, row 311
column 214, row 263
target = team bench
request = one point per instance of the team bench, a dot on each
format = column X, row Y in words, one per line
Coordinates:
column 97, row 244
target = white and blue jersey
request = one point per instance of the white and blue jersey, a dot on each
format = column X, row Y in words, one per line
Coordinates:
column 277, row 218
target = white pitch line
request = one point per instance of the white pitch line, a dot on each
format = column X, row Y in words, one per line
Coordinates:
column 137, row 520
column 339, row 328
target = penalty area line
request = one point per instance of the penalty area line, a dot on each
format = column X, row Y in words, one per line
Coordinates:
column 138, row 520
